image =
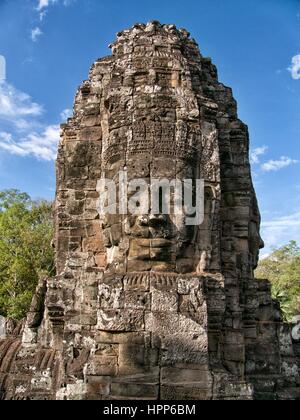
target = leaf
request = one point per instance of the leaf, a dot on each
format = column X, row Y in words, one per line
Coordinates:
column 282, row 268
column 26, row 231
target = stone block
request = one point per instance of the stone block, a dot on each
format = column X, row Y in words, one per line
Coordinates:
column 111, row 296
column 132, row 354
column 137, row 300
column 102, row 366
column 93, row 244
column 234, row 352
column 146, row 375
column 134, row 390
column 199, row 378
column 164, row 301
column 123, row 320
column 181, row 393
column 181, row 339
column 140, row 338
column 137, row 281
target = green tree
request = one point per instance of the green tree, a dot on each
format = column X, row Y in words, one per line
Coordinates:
column 26, row 231
column 282, row 268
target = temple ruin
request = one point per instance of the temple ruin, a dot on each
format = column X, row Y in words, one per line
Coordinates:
column 146, row 307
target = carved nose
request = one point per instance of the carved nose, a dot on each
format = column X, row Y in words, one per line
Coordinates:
column 152, row 220
column 157, row 220
column 143, row 220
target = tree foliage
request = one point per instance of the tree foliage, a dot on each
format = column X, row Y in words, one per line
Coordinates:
column 282, row 268
column 26, row 231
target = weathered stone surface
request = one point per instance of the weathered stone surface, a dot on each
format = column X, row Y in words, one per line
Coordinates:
column 2, row 328
column 146, row 307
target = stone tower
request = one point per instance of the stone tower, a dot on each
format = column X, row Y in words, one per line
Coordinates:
column 144, row 306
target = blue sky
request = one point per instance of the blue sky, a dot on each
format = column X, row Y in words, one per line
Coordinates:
column 49, row 46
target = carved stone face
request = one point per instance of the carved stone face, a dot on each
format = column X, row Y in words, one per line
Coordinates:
column 157, row 136
column 148, row 241
column 256, row 243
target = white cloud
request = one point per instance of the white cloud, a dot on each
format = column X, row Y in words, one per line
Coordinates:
column 40, row 145
column 281, row 230
column 22, row 133
column 276, row 165
column 36, row 33
column 2, row 68
column 45, row 3
column 295, row 67
column 5, row 137
column 256, row 153
column 66, row 113
column 43, row 14
column 42, row 8
column 17, row 107
column 270, row 165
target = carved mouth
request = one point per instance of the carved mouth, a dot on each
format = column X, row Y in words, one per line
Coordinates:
column 160, row 243
column 156, row 243
column 158, row 249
